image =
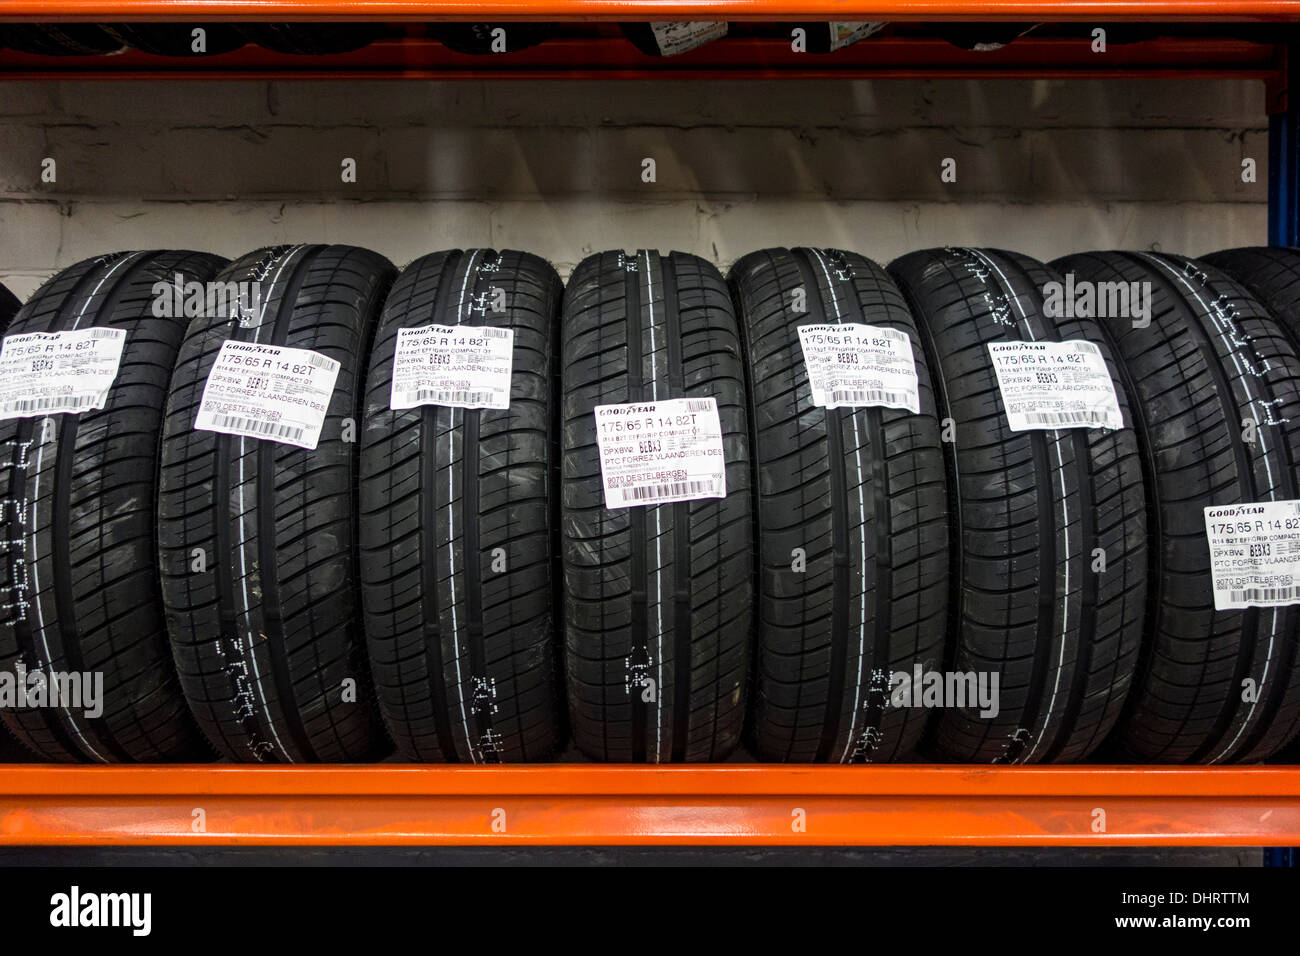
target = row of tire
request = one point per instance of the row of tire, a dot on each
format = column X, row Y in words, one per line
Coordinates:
column 450, row 582
column 653, row 39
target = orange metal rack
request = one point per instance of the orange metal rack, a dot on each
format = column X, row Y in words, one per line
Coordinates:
column 723, row 804
column 623, row 10
column 590, row 805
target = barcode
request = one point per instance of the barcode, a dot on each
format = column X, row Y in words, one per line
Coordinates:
column 316, row 360
column 490, row 333
column 1269, row 595
column 253, row 427
column 861, row 396
column 699, row 405
column 1087, row 348
column 442, row 397
column 675, row 489
column 54, row 403
column 1067, row 418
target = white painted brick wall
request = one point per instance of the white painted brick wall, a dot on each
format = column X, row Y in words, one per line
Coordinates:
column 1044, row 167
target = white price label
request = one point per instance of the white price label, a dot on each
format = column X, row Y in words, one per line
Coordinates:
column 1254, row 554
column 268, row 391
column 43, row 373
column 686, row 35
column 852, row 364
column 656, row 452
column 458, row 366
column 844, row 34
column 1055, row 385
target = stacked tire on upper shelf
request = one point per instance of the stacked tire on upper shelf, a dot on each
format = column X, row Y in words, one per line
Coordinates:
column 827, row 37
column 851, row 502
column 658, row 563
column 178, row 39
column 1216, row 389
column 458, row 526
column 982, row 37
column 312, row 39
column 489, row 38
column 58, row 39
column 79, row 582
column 673, row 38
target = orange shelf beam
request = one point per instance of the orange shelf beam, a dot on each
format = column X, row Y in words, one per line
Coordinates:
column 734, row 804
column 619, row 10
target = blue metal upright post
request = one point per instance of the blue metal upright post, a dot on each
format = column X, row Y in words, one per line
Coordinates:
column 1284, row 159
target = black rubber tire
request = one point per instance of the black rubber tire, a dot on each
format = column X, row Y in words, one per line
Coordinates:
column 9, row 305
column 862, row 492
column 177, row 39
column 465, row 672
column 819, row 36
column 275, row 525
column 1272, row 274
column 982, row 37
column 11, row 751
column 1191, row 391
column 639, row 328
column 58, row 39
column 312, row 39
column 476, row 38
column 82, row 594
column 643, row 38
column 1029, row 510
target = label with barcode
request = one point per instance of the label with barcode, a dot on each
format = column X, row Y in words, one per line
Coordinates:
column 852, row 364
column 845, row 34
column 44, row 373
column 1055, row 385
column 268, row 391
column 684, row 35
column 656, row 452
column 459, row 366
column 1254, row 553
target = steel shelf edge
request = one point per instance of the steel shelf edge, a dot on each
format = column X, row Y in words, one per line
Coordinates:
column 584, row 804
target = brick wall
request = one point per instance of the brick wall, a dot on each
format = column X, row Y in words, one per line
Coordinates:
column 1044, row 167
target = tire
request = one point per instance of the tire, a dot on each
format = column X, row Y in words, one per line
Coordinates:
column 652, row 678
column 645, row 39
column 312, row 39
column 10, row 750
column 861, row 493
column 9, row 304
column 257, row 538
column 177, row 39
column 462, row 649
column 1193, row 397
column 1030, row 509
column 982, row 37
column 822, row 37
column 1272, row 274
column 476, row 38
column 62, row 39
column 82, row 593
